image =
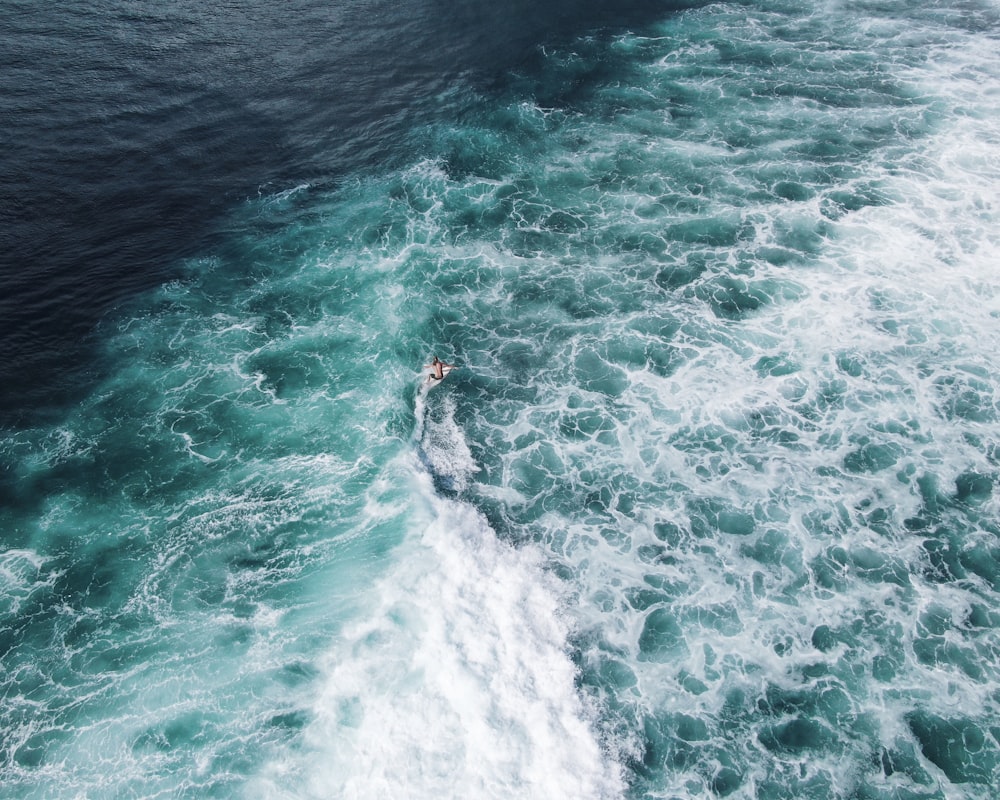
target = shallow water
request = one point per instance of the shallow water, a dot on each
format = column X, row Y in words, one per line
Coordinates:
column 708, row 510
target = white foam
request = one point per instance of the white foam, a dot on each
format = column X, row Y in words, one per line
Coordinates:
column 457, row 683
column 446, row 452
column 21, row 574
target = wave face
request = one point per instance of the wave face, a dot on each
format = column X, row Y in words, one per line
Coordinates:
column 709, row 508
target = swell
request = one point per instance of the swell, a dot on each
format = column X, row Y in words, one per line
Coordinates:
column 133, row 136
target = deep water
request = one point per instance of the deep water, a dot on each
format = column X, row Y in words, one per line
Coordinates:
column 709, row 508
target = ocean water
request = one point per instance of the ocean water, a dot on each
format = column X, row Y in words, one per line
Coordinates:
column 709, row 508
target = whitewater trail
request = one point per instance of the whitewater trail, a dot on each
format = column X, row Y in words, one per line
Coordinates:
column 457, row 682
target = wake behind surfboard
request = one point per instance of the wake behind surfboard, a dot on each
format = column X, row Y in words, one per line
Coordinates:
column 427, row 383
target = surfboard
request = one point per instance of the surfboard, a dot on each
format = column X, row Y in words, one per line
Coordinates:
column 432, row 382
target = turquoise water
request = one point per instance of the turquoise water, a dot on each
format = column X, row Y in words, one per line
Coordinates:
column 709, row 509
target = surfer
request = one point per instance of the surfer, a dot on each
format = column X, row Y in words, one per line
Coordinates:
column 437, row 367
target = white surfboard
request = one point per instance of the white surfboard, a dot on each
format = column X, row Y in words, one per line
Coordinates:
column 432, row 381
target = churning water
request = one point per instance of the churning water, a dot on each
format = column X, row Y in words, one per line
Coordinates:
column 708, row 510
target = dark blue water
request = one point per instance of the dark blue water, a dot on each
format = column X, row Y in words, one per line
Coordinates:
column 130, row 132
column 709, row 508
